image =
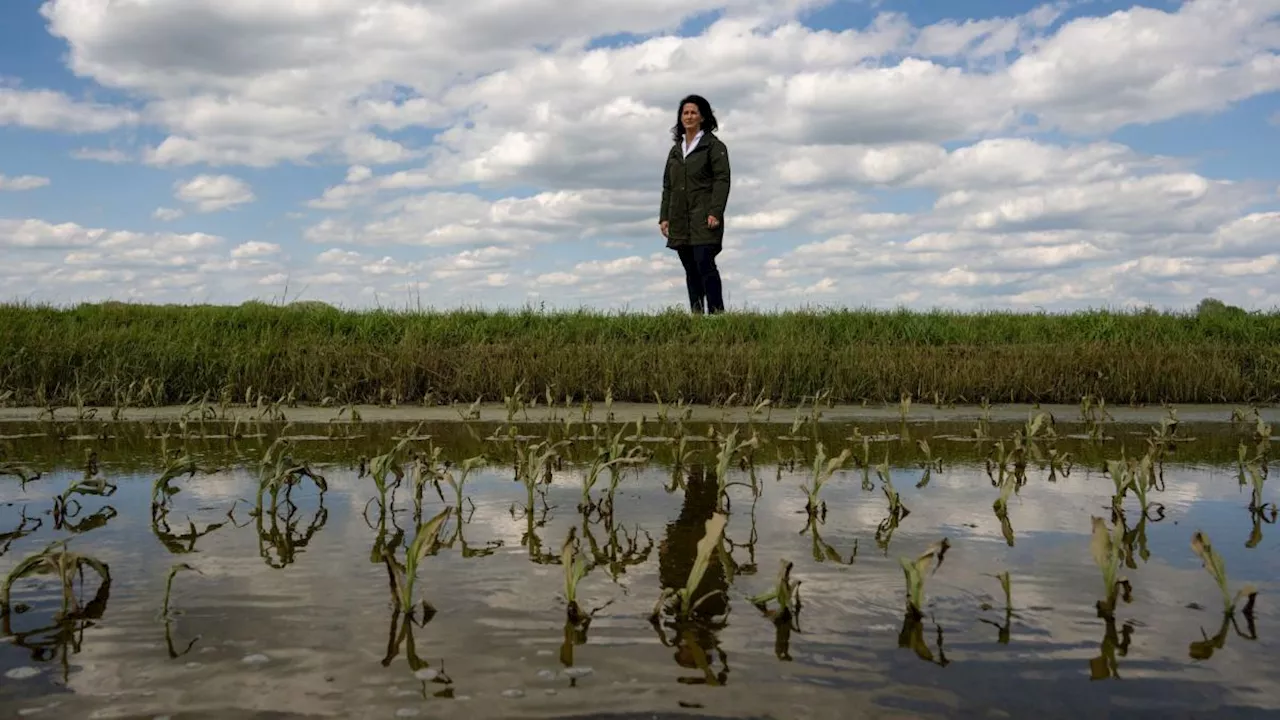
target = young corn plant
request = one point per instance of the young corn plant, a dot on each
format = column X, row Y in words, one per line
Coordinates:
column 982, row 432
column 681, row 458
column 1107, row 548
column 534, row 465
column 785, row 594
column 162, row 488
column 575, row 568
column 278, row 471
column 682, row 600
column 425, row 470
column 93, row 482
column 55, row 560
column 915, row 571
column 404, row 577
column 458, row 485
column 1217, row 569
column 621, row 457
column 1138, row 475
column 1039, row 426
column 823, row 470
column 1008, row 486
column 1058, row 463
column 866, row 465
column 609, row 458
column 390, row 464
column 1166, row 432
column 897, row 510
column 1257, row 477
column 929, row 463
column 1261, row 429
column 1093, row 411
column 515, row 403
column 730, row 447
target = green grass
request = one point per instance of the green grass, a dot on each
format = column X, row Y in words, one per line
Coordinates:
column 94, row 352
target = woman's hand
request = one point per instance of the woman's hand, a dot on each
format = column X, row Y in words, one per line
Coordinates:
column 663, row 227
column 712, row 222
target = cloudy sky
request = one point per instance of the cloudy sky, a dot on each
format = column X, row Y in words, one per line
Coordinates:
column 966, row 154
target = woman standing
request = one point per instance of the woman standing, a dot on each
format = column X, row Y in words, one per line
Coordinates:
column 695, row 190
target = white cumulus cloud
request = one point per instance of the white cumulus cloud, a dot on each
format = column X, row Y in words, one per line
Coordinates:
column 490, row 152
column 210, row 193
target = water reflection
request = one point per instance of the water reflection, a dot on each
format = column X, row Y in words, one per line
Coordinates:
column 182, row 543
column 64, row 635
column 679, row 546
column 695, row 638
column 279, row 538
column 495, row 607
column 26, row 526
column 912, row 636
column 1115, row 644
column 1204, row 648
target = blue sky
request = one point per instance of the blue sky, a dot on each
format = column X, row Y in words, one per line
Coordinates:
column 994, row 153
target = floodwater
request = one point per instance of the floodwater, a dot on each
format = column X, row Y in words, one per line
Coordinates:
column 291, row 615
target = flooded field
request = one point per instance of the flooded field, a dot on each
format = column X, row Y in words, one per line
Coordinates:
column 393, row 569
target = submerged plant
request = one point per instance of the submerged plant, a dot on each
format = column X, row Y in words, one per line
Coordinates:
column 458, row 485
column 404, row 577
column 929, row 463
column 610, row 457
column 983, row 430
column 730, row 447
column 1008, row 486
column 575, row 568
column 390, row 463
column 1093, row 411
column 55, row 560
column 1138, row 475
column 1038, row 426
column 914, row 572
column 1165, row 434
column 278, row 471
column 1214, row 564
column 897, row 510
column 162, row 489
column 1107, row 548
column 1058, row 462
column 93, row 483
column 1257, row 477
column 685, row 604
column 785, row 594
column 823, row 470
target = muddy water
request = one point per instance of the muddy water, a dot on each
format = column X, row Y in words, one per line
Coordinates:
column 290, row 616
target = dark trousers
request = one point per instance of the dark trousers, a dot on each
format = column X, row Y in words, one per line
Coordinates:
column 702, row 277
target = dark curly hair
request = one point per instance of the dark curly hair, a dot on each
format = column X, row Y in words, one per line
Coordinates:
column 709, row 123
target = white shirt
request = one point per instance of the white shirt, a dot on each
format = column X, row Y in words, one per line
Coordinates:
column 688, row 146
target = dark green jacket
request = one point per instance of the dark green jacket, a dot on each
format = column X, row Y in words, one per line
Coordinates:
column 693, row 188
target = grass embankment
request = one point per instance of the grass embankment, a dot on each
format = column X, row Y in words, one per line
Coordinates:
column 111, row 353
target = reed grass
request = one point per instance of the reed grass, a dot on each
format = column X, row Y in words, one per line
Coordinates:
column 113, row 353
